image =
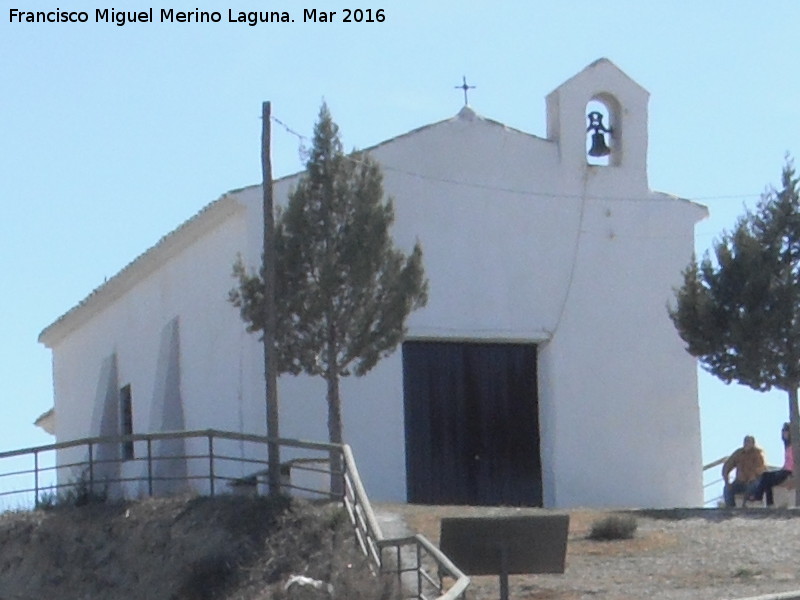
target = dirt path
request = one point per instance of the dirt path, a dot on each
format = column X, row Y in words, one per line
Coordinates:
column 676, row 555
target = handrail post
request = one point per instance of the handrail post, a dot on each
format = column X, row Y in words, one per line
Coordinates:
column 419, row 570
column 399, row 569
column 341, row 476
column 149, row 467
column 211, row 462
column 91, row 467
column 36, row 478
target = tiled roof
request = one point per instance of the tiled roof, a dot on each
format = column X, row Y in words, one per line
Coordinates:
column 141, row 266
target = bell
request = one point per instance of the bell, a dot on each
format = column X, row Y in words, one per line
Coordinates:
column 599, row 147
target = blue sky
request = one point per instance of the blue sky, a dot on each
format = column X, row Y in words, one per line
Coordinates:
column 112, row 136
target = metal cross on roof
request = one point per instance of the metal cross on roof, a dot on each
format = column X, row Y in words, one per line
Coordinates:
column 465, row 87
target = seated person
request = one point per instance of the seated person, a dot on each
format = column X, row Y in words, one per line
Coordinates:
column 749, row 464
column 770, row 479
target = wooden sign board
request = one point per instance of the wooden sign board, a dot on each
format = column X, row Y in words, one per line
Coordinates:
column 506, row 545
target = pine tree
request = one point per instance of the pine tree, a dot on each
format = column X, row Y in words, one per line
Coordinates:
column 343, row 292
column 739, row 313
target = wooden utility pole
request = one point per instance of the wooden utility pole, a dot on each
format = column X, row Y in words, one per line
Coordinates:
column 268, row 258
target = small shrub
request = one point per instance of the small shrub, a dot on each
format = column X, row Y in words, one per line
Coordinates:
column 47, row 499
column 614, row 527
column 80, row 492
column 746, row 573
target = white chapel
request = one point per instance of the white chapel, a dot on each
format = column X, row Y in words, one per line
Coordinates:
column 544, row 370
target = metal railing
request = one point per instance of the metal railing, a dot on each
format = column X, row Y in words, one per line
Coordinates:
column 208, row 462
column 413, row 555
column 715, row 483
column 212, row 462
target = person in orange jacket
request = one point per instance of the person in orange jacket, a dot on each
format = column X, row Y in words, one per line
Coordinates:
column 749, row 464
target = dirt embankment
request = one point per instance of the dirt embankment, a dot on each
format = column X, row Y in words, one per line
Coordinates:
column 228, row 548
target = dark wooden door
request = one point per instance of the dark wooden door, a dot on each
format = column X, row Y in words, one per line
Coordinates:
column 471, row 423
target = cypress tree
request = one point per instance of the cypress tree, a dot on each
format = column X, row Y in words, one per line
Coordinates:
column 739, row 313
column 343, row 291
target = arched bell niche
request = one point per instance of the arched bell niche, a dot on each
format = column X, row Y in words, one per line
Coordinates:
column 603, row 131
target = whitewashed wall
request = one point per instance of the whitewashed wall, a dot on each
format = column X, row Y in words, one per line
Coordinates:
column 522, row 242
column 220, row 364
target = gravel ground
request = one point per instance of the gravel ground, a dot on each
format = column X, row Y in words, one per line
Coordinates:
column 712, row 554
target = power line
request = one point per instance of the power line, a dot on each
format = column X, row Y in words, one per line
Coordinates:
column 582, row 198
column 299, row 136
column 573, row 267
column 517, row 191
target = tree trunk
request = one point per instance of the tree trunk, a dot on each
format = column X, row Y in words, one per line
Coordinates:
column 794, row 428
column 335, row 432
column 334, row 408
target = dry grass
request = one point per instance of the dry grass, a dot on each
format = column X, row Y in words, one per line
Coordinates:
column 190, row 548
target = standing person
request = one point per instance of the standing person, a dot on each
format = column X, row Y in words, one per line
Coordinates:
column 770, row 479
column 749, row 464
